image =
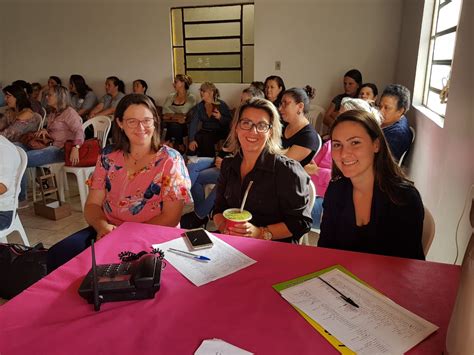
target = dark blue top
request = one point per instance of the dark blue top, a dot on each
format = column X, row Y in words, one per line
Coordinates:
column 399, row 137
column 337, row 101
column 209, row 123
column 306, row 137
column 280, row 192
column 393, row 230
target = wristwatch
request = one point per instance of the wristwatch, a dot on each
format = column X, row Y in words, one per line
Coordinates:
column 77, row 146
column 267, row 235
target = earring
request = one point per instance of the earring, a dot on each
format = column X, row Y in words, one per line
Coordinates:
column 299, row 112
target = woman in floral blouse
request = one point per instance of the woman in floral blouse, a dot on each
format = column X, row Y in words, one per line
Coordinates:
column 135, row 180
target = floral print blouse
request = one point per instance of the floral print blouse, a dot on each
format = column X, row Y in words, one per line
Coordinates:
column 139, row 197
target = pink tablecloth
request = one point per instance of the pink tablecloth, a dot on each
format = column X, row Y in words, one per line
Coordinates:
column 243, row 309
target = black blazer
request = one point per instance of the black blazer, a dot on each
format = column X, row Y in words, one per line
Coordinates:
column 394, row 230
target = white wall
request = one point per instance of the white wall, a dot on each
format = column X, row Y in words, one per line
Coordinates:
column 316, row 41
column 441, row 163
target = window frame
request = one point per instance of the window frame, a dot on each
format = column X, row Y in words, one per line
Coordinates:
column 240, row 37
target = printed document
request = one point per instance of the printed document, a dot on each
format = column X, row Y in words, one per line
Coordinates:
column 219, row 347
column 378, row 326
column 225, row 260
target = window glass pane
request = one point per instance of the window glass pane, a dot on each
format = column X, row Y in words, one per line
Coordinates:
column 177, row 27
column 248, row 24
column 439, row 75
column 213, row 45
column 178, row 54
column 215, row 76
column 248, row 63
column 449, row 15
column 213, row 61
column 444, row 46
column 213, row 29
column 212, row 13
column 434, row 104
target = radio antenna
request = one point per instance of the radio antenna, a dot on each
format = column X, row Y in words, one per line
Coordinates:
column 95, row 283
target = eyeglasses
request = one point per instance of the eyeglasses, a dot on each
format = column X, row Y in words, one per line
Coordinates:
column 146, row 123
column 247, row 125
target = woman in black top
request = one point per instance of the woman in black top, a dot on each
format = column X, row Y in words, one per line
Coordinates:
column 299, row 138
column 277, row 213
column 369, row 206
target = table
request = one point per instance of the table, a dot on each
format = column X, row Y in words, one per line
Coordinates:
column 242, row 308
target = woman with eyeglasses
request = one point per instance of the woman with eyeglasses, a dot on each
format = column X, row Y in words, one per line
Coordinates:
column 135, row 180
column 214, row 116
column 175, row 109
column 279, row 196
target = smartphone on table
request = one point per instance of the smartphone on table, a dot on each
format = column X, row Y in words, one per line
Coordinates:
column 197, row 239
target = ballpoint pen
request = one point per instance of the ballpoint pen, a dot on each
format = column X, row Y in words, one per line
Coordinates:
column 189, row 255
column 343, row 296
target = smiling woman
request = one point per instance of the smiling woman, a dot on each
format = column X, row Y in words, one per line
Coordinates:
column 369, row 205
column 135, row 180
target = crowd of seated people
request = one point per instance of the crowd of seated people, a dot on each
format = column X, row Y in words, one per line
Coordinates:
column 268, row 144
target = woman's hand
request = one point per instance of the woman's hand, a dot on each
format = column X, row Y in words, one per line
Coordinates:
column 74, row 157
column 41, row 133
column 103, row 231
column 311, row 168
column 193, row 145
column 216, row 114
column 245, row 229
column 218, row 162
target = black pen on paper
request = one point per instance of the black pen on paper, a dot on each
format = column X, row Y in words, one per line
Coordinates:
column 343, row 296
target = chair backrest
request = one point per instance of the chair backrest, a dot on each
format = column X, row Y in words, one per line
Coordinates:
column 315, row 117
column 101, row 125
column 43, row 119
column 428, row 231
column 460, row 335
column 21, row 171
column 413, row 134
column 312, row 194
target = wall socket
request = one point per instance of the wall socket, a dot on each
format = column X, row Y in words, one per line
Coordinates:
column 277, row 65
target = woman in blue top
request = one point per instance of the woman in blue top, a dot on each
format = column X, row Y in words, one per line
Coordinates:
column 214, row 116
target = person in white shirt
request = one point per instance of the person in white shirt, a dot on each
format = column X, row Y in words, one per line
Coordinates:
column 9, row 164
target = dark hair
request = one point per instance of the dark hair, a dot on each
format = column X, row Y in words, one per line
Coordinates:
column 56, row 79
column 372, row 86
column 121, row 141
column 280, row 83
column 259, row 85
column 388, row 175
column 142, row 83
column 356, row 75
column 19, row 93
column 80, row 84
column 25, row 85
column 36, row 86
column 117, row 82
column 253, row 91
column 186, row 79
column 303, row 95
column 401, row 93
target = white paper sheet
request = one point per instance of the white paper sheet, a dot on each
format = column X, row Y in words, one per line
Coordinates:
column 225, row 260
column 219, row 347
column 378, row 326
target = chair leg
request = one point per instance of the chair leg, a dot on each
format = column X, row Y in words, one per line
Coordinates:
column 83, row 190
column 58, row 171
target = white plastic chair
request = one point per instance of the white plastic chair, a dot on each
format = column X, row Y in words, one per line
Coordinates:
column 101, row 126
column 16, row 223
column 428, row 231
column 406, row 151
column 315, row 117
column 306, row 239
column 43, row 119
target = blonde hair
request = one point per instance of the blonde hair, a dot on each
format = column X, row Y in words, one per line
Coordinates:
column 273, row 143
column 208, row 86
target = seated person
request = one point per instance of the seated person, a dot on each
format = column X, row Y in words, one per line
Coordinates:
column 9, row 164
column 352, row 84
column 214, row 116
column 279, row 196
column 63, row 124
column 19, row 117
column 369, row 206
column 83, row 98
column 135, row 180
column 36, row 91
column 274, row 89
column 300, row 139
column 52, row 81
column 369, row 93
column 206, row 171
column 115, row 91
column 320, row 172
column 394, row 103
column 140, row 86
column 35, row 104
column 175, row 108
